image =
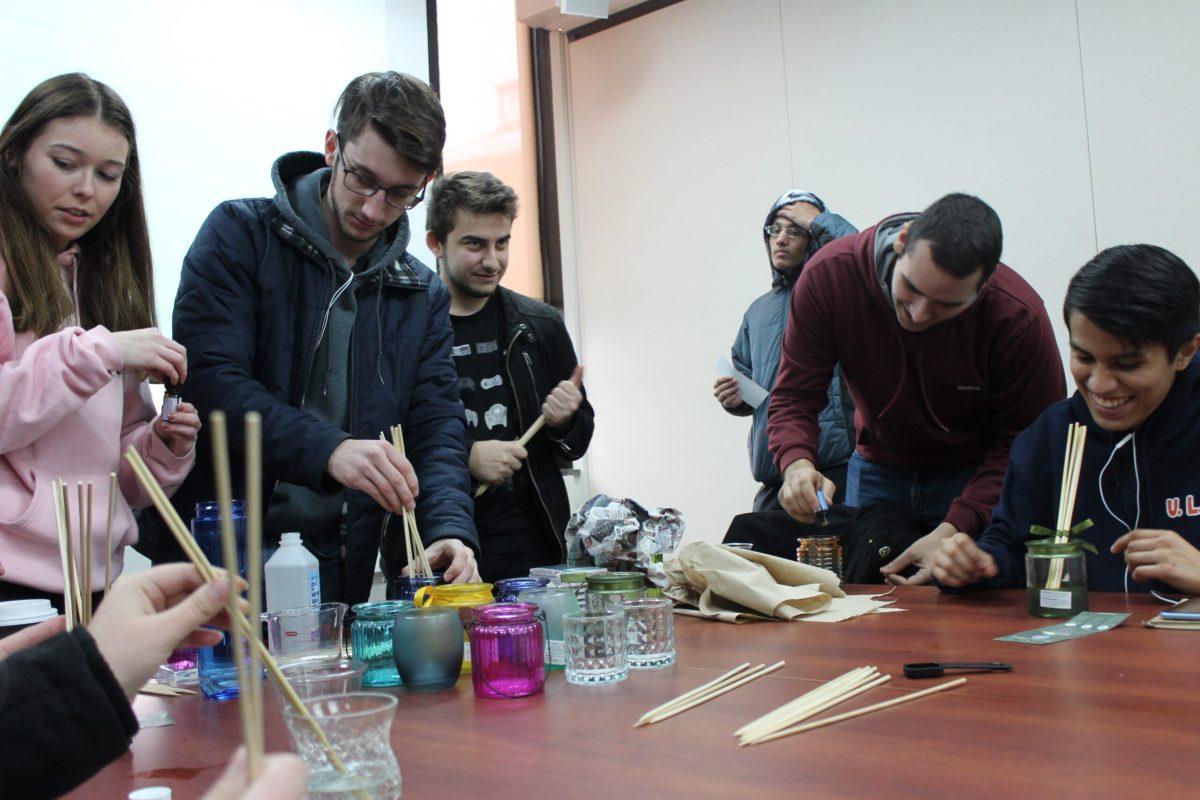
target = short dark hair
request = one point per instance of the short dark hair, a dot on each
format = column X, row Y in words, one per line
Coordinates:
column 404, row 111
column 963, row 234
column 1140, row 293
column 477, row 192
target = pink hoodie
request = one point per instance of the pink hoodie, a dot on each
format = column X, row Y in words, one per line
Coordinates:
column 68, row 411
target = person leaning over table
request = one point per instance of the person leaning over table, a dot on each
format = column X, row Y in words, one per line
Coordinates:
column 797, row 226
column 1133, row 313
column 308, row 308
column 65, row 697
column 77, row 333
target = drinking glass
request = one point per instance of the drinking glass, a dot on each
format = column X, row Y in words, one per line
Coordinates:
column 427, row 645
column 595, row 644
column 357, row 727
column 319, row 678
column 305, row 634
column 650, row 632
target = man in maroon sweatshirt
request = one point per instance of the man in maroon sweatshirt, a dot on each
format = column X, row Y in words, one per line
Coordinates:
column 947, row 353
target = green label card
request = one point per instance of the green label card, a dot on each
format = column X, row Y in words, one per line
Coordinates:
column 1083, row 624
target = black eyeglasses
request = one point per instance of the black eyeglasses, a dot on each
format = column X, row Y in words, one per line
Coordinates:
column 404, row 198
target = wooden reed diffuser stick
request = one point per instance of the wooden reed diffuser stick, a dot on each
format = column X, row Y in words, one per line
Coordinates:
column 253, row 434
column 71, row 593
column 1073, row 463
column 683, row 698
column 112, row 509
column 184, row 539
column 422, row 566
column 743, row 679
column 87, row 555
column 64, row 549
column 229, row 553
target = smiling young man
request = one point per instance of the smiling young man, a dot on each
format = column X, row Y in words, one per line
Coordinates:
column 796, row 227
column 307, row 308
column 515, row 361
column 948, row 355
column 1134, row 314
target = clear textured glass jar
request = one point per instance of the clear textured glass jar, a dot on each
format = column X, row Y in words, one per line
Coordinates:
column 823, row 551
column 610, row 588
column 1056, row 579
column 371, row 640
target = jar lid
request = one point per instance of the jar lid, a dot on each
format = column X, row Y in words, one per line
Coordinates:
column 616, row 580
column 384, row 609
column 26, row 612
column 151, row 793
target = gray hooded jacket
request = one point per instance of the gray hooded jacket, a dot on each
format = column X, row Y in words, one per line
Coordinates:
column 755, row 353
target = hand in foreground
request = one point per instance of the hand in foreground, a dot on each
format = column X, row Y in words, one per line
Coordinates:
column 179, row 430
column 283, row 777
column 564, row 400
column 1161, row 555
column 377, row 468
column 34, row 634
column 960, row 562
column 919, row 553
column 798, row 495
column 495, row 461
column 147, row 615
column 726, row 391
column 454, row 556
column 147, row 350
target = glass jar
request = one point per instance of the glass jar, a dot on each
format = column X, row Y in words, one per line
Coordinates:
column 823, row 551
column 612, row 587
column 371, row 640
column 404, row 587
column 507, row 589
column 427, row 644
column 462, row 597
column 507, row 646
column 1056, row 579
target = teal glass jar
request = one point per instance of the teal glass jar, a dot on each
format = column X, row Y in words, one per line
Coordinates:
column 611, row 588
column 371, row 640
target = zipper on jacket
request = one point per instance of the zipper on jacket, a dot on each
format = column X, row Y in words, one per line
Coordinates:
column 561, row 543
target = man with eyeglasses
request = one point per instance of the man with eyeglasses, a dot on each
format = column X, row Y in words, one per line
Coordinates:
column 949, row 355
column 797, row 225
column 308, row 309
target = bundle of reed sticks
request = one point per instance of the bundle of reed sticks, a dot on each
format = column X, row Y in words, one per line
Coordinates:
column 1072, row 462
column 414, row 548
column 789, row 718
column 738, row 676
column 75, row 551
column 240, row 625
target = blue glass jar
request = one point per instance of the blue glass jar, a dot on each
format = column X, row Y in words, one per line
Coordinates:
column 507, row 589
column 371, row 640
column 404, row 587
column 215, row 665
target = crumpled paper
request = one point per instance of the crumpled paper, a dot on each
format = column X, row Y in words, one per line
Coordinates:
column 620, row 533
column 733, row 585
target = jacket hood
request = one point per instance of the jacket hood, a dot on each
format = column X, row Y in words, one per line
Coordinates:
column 290, row 168
column 779, row 277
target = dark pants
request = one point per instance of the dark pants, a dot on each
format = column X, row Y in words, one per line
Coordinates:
column 767, row 498
column 926, row 494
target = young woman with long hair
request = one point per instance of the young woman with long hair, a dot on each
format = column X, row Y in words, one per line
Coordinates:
column 77, row 333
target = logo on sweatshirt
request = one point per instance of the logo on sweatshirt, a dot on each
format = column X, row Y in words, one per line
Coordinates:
column 1178, row 506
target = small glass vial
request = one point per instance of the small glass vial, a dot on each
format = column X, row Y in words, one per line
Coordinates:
column 1056, row 579
column 170, row 405
column 371, row 640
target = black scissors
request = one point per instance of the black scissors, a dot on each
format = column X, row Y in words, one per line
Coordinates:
column 934, row 669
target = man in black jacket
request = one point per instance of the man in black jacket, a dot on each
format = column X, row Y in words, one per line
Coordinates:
column 515, row 362
column 308, row 309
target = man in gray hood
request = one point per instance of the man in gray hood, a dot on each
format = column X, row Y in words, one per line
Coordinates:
column 797, row 225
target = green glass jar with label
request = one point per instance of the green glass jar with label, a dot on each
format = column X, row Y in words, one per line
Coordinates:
column 1056, row 579
column 607, row 588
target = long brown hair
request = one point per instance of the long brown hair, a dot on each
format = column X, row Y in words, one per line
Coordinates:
column 115, row 276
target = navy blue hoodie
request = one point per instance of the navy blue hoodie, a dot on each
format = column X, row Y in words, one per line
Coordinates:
column 1151, row 479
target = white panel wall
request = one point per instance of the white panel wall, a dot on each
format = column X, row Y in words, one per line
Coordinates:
column 218, row 90
column 688, row 121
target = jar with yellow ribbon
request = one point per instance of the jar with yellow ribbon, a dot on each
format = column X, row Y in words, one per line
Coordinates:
column 464, row 598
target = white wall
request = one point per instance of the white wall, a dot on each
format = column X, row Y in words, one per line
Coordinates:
column 218, row 90
column 1074, row 120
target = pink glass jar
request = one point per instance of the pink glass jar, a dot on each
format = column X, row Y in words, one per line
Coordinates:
column 507, row 650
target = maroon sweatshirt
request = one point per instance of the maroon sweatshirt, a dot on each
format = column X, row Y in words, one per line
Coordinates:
column 954, row 395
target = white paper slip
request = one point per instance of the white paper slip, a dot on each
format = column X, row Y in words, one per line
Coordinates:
column 752, row 393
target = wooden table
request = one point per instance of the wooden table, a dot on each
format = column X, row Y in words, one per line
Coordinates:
column 1111, row 715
